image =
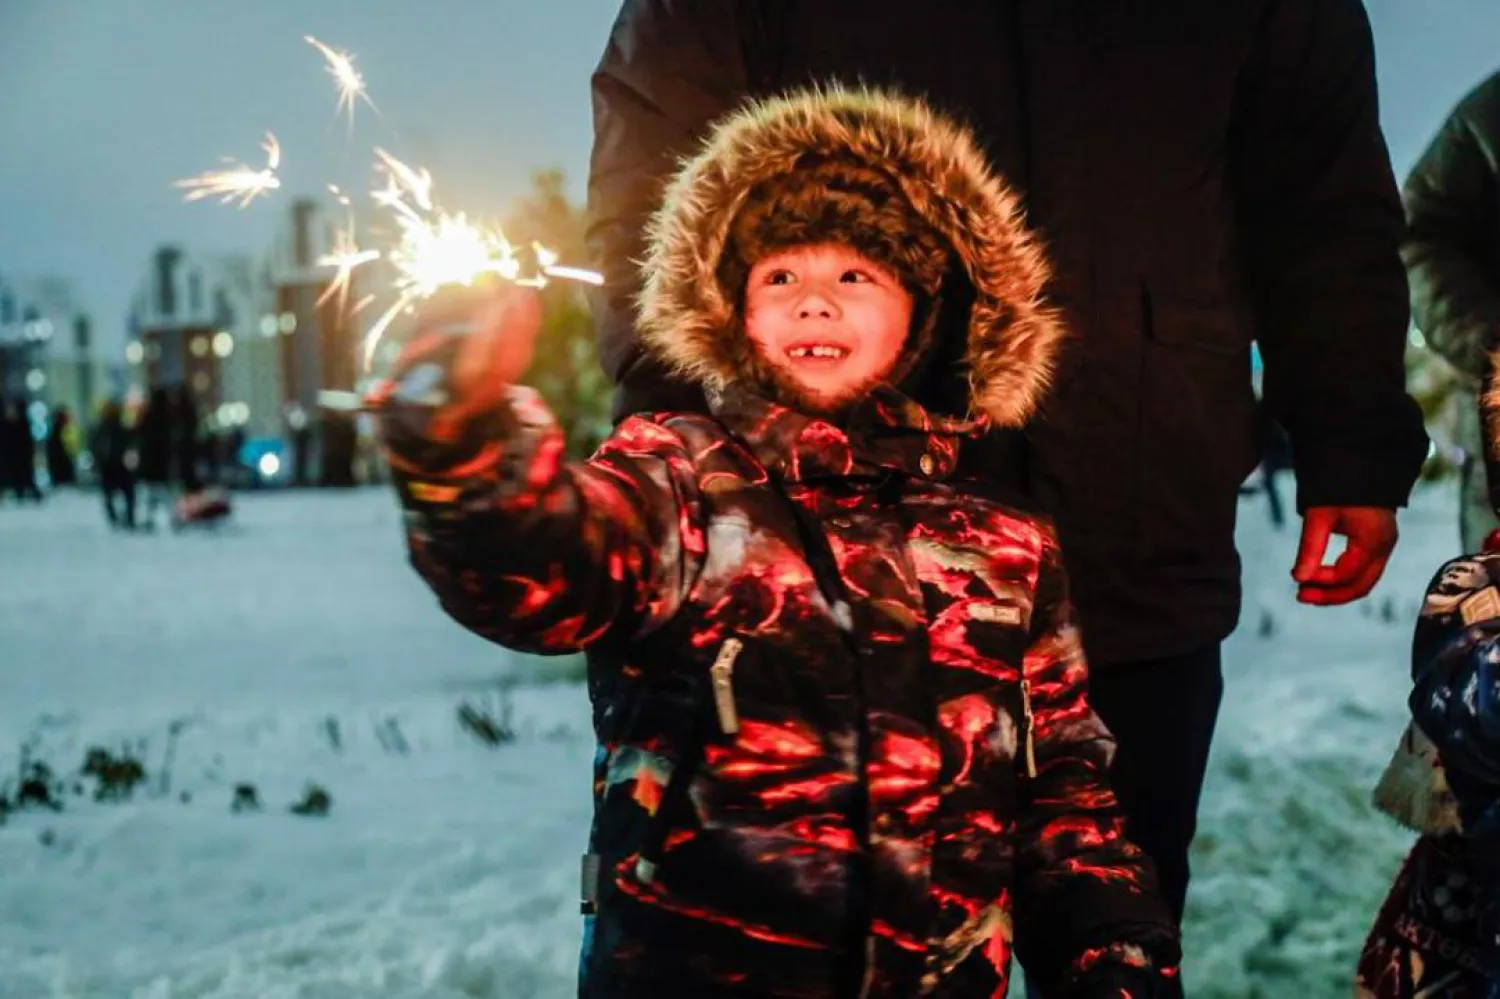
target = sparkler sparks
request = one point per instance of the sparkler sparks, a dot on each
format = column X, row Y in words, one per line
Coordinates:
column 434, row 248
column 240, row 182
column 350, row 83
column 345, row 255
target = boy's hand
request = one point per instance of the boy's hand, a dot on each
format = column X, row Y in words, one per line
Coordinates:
column 505, row 321
column 471, row 344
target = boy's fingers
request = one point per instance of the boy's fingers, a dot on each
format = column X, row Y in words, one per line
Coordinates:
column 501, row 345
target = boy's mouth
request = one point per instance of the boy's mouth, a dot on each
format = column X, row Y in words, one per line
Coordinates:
column 817, row 352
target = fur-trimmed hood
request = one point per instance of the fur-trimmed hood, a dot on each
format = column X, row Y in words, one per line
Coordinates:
column 686, row 313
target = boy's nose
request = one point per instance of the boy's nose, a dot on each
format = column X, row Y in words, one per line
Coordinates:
column 816, row 306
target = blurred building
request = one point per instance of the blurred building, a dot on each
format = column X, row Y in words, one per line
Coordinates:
column 196, row 321
column 49, row 353
column 257, row 341
column 320, row 341
column 320, row 346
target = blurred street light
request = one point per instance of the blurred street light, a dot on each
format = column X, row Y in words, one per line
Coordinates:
column 134, row 352
column 223, row 344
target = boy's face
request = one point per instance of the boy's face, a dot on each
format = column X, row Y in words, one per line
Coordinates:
column 829, row 318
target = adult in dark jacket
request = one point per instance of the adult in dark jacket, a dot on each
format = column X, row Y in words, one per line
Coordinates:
column 111, row 446
column 187, row 442
column 9, row 450
column 1452, row 254
column 1205, row 175
column 17, row 453
column 158, row 452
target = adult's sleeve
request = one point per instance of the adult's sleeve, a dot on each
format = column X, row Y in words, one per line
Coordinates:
column 1322, row 222
column 669, row 69
column 1451, row 251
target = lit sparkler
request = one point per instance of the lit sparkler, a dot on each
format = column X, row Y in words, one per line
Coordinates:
column 240, row 182
column 350, row 83
column 434, row 248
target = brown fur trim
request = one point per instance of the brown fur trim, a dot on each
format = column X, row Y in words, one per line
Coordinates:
column 1489, row 406
column 688, row 315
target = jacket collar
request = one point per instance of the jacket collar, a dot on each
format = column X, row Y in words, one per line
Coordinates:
column 886, row 431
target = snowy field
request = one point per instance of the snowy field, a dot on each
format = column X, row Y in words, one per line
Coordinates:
column 298, row 648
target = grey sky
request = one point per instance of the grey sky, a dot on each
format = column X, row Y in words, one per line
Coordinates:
column 103, row 103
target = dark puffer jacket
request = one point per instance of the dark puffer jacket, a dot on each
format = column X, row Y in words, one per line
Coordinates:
column 1205, row 174
column 844, row 745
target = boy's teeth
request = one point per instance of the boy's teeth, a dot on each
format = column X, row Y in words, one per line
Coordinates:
column 818, row 351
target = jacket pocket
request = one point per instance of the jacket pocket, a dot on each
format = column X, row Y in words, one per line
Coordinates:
column 1197, row 434
column 1190, row 322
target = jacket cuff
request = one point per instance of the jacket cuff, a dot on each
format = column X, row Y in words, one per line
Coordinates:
column 1117, row 971
column 440, row 446
column 1377, row 478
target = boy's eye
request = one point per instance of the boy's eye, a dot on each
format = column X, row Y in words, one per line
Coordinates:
column 855, row 277
column 779, row 277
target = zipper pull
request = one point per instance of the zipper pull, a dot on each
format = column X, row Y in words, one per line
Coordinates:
column 722, row 675
column 1028, row 722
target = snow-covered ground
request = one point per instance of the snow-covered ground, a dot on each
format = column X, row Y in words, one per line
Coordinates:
column 297, row 647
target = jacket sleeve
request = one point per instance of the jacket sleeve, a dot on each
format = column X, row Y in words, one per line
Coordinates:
column 669, row 69
column 1451, row 251
column 1322, row 222
column 524, row 548
column 1089, row 919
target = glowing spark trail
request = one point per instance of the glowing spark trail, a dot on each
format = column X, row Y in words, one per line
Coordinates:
column 437, row 249
column 350, row 83
column 239, row 182
column 434, row 248
column 345, row 256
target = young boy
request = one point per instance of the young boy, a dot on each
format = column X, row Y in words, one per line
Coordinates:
column 839, row 696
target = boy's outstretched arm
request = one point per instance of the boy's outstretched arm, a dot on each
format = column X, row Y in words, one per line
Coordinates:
column 1089, row 920
column 521, row 546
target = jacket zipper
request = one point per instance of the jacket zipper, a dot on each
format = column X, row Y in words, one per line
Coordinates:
column 722, row 674
column 674, row 796
column 1028, row 726
column 830, row 583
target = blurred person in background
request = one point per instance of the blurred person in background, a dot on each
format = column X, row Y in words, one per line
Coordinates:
column 17, row 453
column 187, row 444
column 62, row 448
column 157, row 453
column 113, row 450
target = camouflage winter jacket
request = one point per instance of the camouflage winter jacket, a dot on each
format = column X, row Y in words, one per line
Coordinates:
column 844, row 743
column 768, row 784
